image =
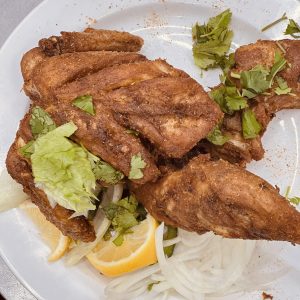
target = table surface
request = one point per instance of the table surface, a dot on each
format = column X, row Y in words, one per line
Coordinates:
column 12, row 13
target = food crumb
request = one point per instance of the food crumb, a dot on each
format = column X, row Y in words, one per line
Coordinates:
column 266, row 296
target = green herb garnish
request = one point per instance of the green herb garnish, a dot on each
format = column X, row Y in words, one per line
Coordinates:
column 27, row 150
column 216, row 137
column 212, row 41
column 123, row 215
column 294, row 200
column 171, row 233
column 150, row 285
column 282, row 88
column 40, row 122
column 85, row 103
column 284, row 17
column 292, row 28
column 279, row 65
column 251, row 127
column 136, row 166
column 105, row 172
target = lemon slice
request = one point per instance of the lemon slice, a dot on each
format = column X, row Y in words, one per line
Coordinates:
column 136, row 251
column 57, row 242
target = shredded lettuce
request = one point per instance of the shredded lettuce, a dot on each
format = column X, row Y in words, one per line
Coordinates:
column 62, row 169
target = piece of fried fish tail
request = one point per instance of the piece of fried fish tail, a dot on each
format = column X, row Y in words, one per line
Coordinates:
column 221, row 197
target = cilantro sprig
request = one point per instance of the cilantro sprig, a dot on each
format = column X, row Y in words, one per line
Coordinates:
column 292, row 28
column 123, row 215
column 212, row 41
column 295, row 200
column 217, row 137
column 137, row 164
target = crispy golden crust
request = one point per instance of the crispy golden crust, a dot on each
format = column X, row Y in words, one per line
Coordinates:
column 115, row 77
column 174, row 113
column 91, row 40
column 221, row 197
column 56, row 71
column 19, row 168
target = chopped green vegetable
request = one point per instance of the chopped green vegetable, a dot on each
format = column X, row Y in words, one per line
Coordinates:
column 27, row 150
column 216, row 137
column 123, row 215
column 279, row 65
column 132, row 132
column 150, row 285
column 235, row 103
column 284, row 17
column 40, row 122
column 104, row 171
column 255, row 79
column 294, row 200
column 136, row 166
column 212, row 41
column 118, row 241
column 62, row 169
column 85, row 103
column 292, row 28
column 282, row 88
column 235, row 75
column 250, row 125
column 248, row 94
column 171, row 233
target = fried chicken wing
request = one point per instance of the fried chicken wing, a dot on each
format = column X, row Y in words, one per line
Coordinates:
column 91, row 40
column 221, row 197
column 77, row 228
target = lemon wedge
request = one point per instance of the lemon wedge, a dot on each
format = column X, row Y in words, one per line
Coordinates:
column 136, row 251
column 57, row 242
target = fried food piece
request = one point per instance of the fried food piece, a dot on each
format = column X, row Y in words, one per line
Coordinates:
column 19, row 168
column 174, row 113
column 221, row 197
column 104, row 137
column 115, row 77
column 56, row 71
column 238, row 149
column 91, row 40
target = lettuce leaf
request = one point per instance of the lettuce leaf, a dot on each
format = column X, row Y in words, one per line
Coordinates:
column 62, row 169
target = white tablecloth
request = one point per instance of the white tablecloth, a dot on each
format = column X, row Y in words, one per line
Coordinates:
column 11, row 14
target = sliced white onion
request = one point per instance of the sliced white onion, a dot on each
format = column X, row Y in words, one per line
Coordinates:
column 101, row 224
column 11, row 192
column 202, row 266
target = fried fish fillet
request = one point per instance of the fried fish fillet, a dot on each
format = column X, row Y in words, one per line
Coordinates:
column 174, row 113
column 221, row 197
column 238, row 149
column 91, row 40
column 53, row 72
column 78, row 228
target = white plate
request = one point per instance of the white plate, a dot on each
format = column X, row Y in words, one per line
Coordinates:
column 165, row 26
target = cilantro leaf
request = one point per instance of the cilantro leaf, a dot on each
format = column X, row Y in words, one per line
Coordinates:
column 255, row 79
column 279, row 65
column 123, row 215
column 248, row 94
column 85, row 103
column 212, row 41
column 150, row 285
column 236, row 102
column 40, row 122
column 292, row 28
column 295, row 200
column 105, row 172
column 251, row 127
column 282, row 88
column 27, row 150
column 136, row 166
column 216, row 137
